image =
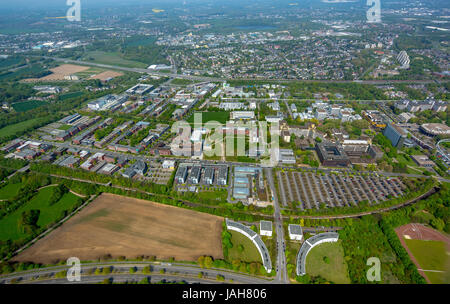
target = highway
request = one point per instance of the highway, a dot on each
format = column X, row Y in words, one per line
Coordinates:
column 281, row 269
column 121, row 272
column 219, row 79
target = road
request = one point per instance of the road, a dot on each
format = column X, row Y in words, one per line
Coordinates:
column 281, row 257
column 219, row 79
column 121, row 270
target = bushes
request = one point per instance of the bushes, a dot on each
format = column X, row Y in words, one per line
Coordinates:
column 411, row 275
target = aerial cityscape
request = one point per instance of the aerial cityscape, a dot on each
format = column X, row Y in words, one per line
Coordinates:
column 225, row 142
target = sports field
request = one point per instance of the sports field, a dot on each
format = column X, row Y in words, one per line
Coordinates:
column 124, row 226
column 432, row 258
column 327, row 260
column 243, row 249
column 429, row 250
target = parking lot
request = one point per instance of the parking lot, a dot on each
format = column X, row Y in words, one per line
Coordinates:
column 309, row 190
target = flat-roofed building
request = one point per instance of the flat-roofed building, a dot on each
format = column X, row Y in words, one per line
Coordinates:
column 265, row 228
column 194, row 176
column 332, row 155
column 423, row 161
column 209, row 175
column 222, row 176
column 244, row 115
column 398, row 136
column 295, row 232
column 181, row 174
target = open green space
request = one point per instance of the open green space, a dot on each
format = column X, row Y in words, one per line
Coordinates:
column 327, row 260
column 71, row 95
column 219, row 196
column 9, row 191
column 19, row 127
column 431, row 255
column 221, row 117
column 9, row 225
column 243, row 249
column 9, row 62
column 112, row 59
column 27, row 105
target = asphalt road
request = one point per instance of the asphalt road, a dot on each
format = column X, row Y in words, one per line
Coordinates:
column 121, row 271
column 281, row 257
column 219, row 79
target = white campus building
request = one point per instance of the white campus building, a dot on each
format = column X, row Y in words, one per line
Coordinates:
column 295, row 232
column 265, row 228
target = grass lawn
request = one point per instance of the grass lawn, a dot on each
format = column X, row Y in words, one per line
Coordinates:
column 9, row 191
column 217, row 195
column 71, row 95
column 250, row 252
column 431, row 255
column 221, row 117
column 27, row 105
column 9, row 225
column 111, row 58
column 18, row 127
column 336, row 270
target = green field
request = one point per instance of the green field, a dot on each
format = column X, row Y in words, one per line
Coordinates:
column 336, row 270
column 221, row 117
column 18, row 127
column 9, row 62
column 70, row 95
column 9, row 191
column 112, row 59
column 250, row 252
column 431, row 255
column 27, row 105
column 9, row 228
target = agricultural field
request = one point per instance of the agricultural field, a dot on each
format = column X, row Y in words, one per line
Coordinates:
column 27, row 105
column 103, row 76
column 112, row 59
column 327, row 260
column 71, row 95
column 10, row 62
column 124, row 226
column 432, row 258
column 243, row 249
column 58, row 73
column 9, row 225
column 19, row 127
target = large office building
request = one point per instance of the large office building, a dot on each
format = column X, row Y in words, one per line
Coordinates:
column 332, row 155
column 397, row 136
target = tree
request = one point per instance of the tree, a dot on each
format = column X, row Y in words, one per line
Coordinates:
column 208, row 262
